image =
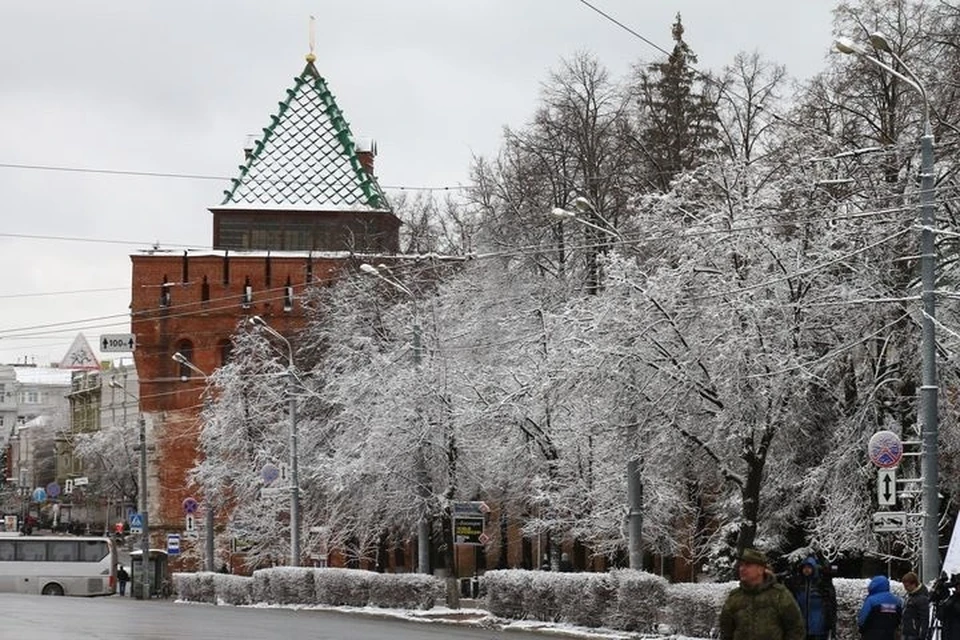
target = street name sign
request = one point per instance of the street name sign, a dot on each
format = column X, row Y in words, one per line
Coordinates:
column 118, row 342
column 888, row 521
column 887, row 487
column 468, row 530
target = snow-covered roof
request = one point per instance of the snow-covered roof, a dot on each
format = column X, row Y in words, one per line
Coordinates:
column 306, row 158
column 43, row 376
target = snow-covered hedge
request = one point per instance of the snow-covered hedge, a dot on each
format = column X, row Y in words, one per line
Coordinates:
column 235, row 590
column 694, row 609
column 637, row 601
column 405, row 590
column 300, row 585
column 195, row 587
column 622, row 599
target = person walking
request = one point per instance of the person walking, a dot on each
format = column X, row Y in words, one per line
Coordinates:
column 916, row 609
column 817, row 599
column 122, row 579
column 760, row 608
column 881, row 613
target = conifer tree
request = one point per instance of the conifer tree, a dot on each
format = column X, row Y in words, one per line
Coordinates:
column 677, row 116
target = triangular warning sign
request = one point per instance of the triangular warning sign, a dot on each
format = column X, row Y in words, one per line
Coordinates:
column 80, row 355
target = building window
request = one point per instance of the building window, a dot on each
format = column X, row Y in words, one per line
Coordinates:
column 247, row 298
column 288, row 296
column 226, row 349
column 185, row 347
column 165, row 297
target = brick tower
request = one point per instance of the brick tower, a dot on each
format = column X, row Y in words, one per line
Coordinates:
column 305, row 203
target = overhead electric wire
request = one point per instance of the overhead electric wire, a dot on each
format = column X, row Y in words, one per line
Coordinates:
column 191, row 176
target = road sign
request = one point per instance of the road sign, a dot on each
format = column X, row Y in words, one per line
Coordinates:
column 190, row 525
column 53, row 489
column 468, row 530
column 68, row 486
column 136, row 523
column 79, row 482
column 118, row 342
column 269, row 473
column 885, row 449
column 469, row 509
column 887, row 487
column 190, row 505
column 39, row 495
column 887, row 521
column 173, row 544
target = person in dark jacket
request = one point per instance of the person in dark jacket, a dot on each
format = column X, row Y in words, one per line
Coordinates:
column 880, row 615
column 817, row 599
column 760, row 608
column 122, row 579
column 916, row 609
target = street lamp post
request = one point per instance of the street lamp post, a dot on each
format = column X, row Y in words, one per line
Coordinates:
column 294, row 460
column 634, row 465
column 423, row 525
column 208, row 519
column 929, row 462
column 144, row 504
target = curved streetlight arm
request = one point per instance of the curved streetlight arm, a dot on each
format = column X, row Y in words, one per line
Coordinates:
column 182, row 359
column 583, row 204
column 846, row 46
column 369, row 269
column 564, row 214
column 260, row 322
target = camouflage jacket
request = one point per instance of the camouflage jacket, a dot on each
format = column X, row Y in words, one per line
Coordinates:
column 766, row 612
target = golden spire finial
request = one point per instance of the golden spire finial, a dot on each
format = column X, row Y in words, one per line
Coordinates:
column 310, row 57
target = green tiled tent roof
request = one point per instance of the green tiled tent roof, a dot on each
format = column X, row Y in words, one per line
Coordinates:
column 306, row 157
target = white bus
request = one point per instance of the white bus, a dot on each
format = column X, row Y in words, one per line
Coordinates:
column 58, row 565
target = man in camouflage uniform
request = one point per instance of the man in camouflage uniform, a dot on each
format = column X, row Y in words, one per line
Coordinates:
column 760, row 608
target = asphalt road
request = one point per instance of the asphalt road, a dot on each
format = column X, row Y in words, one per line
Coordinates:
column 116, row 618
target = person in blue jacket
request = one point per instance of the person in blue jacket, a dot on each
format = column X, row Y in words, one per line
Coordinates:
column 813, row 590
column 879, row 617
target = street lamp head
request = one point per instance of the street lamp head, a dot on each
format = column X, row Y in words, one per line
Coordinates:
column 845, row 45
column 115, row 383
column 582, row 204
column 179, row 357
column 557, row 212
column 369, row 269
column 880, row 42
column 257, row 321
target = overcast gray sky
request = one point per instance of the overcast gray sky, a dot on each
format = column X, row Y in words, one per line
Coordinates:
column 173, row 87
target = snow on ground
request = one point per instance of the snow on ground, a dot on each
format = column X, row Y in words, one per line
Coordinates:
column 475, row 618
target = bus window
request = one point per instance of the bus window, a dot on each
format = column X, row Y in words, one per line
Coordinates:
column 7, row 549
column 65, row 551
column 93, row 550
column 32, row 550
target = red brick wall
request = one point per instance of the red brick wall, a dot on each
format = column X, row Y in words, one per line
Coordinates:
column 171, row 404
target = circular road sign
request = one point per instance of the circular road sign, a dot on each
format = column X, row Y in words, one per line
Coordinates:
column 39, row 495
column 269, row 473
column 190, row 505
column 885, row 449
column 53, row 489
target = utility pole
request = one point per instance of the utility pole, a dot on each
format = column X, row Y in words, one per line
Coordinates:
column 294, row 458
column 144, row 514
